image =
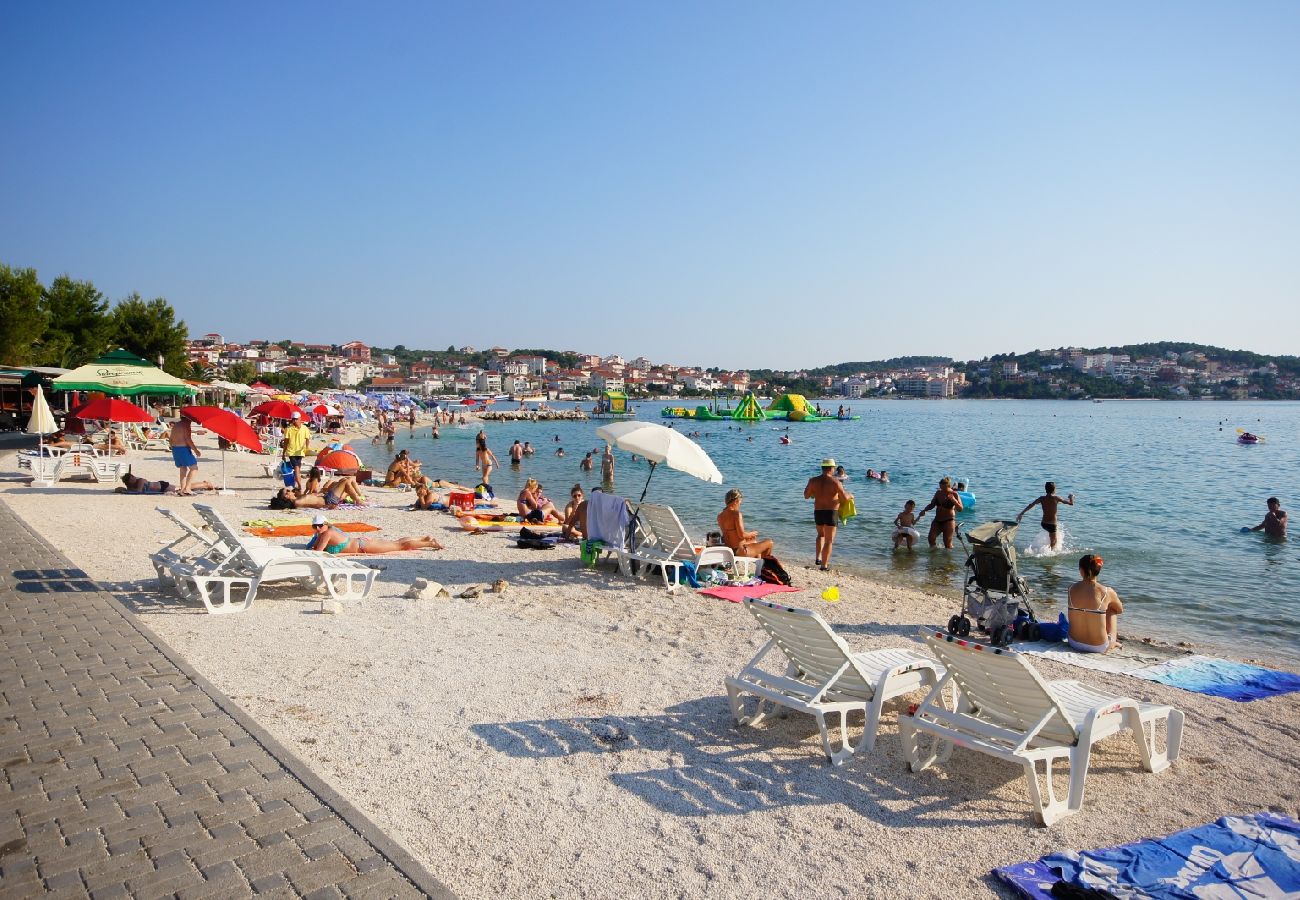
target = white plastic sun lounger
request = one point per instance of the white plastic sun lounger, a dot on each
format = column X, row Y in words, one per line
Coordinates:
column 667, row 545
column 217, row 579
column 193, row 548
column 1007, row 710
column 824, row 677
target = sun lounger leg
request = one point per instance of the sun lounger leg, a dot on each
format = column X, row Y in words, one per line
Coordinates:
column 227, row 602
column 845, row 753
column 1053, row 810
column 918, row 757
column 363, row 581
column 1148, row 737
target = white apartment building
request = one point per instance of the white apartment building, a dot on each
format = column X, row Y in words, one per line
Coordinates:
column 347, row 375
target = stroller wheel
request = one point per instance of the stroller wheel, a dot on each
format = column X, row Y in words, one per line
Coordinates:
column 1033, row 632
column 964, row 626
column 1001, row 636
column 954, row 625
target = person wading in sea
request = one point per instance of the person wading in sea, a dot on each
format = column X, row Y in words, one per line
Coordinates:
column 827, row 494
column 1049, row 501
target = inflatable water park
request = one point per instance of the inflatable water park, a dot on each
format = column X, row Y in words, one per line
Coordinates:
column 787, row 407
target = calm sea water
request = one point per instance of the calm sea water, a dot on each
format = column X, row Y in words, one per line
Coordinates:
column 1162, row 490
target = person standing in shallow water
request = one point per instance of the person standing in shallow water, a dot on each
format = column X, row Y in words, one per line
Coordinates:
column 1274, row 524
column 827, row 494
column 1049, row 502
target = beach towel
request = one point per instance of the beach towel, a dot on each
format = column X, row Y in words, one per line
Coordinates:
column 607, row 519
column 1237, row 681
column 304, row 529
column 737, row 593
column 1255, row 855
column 1131, row 658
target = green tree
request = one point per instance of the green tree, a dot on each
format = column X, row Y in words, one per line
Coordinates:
column 241, row 371
column 149, row 329
column 22, row 321
column 198, row 371
column 78, row 324
column 290, row 382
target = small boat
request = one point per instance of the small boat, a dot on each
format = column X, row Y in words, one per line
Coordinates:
column 1247, row 438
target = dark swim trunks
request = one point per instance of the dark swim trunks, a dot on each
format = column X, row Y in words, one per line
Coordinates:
column 1049, row 527
column 829, row 517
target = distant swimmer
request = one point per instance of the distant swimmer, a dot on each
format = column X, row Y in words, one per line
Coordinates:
column 1049, row 501
column 785, row 439
column 1274, row 524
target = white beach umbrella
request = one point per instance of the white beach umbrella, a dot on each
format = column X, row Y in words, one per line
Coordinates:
column 42, row 420
column 661, row 445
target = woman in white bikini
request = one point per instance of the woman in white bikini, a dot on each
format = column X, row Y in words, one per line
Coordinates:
column 1094, row 610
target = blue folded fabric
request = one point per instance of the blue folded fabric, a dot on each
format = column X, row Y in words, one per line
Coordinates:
column 1238, row 856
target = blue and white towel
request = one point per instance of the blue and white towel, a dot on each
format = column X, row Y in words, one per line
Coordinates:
column 1254, row 856
column 1221, row 678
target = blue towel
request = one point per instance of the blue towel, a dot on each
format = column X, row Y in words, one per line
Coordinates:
column 691, row 576
column 1237, row 856
column 1221, row 678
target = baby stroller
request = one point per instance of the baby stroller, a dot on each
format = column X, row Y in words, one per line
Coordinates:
column 995, row 596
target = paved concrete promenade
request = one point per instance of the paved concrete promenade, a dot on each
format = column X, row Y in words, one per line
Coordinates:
column 126, row 774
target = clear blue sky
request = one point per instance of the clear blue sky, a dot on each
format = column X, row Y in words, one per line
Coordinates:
column 740, row 184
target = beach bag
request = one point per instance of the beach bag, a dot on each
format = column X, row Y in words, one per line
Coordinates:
column 773, row 572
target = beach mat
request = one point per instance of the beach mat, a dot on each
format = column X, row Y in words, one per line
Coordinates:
column 304, row 529
column 1248, row 856
column 736, row 593
column 1209, row 675
column 1222, row 678
column 1130, row 658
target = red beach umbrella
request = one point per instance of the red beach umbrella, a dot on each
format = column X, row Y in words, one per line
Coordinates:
column 278, row 409
column 225, row 423
column 468, row 401
column 110, row 409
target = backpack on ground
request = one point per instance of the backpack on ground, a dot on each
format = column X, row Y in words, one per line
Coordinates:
column 773, row 572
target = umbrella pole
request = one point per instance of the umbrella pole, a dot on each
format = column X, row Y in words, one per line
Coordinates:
column 224, row 492
column 647, row 483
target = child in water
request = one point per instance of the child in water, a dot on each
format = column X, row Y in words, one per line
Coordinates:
column 903, row 526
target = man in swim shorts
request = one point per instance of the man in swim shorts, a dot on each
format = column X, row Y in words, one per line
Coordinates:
column 827, row 494
column 1049, row 501
column 184, row 454
column 1274, row 524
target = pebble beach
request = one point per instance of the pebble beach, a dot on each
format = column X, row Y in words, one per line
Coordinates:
column 570, row 737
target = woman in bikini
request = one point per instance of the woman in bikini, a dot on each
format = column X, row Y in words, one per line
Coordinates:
column 331, row 540
column 734, row 535
column 534, row 506
column 946, row 504
column 335, row 492
column 1094, row 610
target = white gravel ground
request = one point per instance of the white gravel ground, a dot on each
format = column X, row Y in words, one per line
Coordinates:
column 572, row 738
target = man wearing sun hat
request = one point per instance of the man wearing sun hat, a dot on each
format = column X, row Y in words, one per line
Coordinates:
column 296, row 444
column 827, row 493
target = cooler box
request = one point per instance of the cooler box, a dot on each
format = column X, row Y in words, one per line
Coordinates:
column 461, row 500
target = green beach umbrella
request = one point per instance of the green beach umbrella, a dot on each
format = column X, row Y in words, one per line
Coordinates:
column 123, row 374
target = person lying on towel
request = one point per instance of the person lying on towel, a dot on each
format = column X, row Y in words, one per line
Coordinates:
column 137, row 485
column 331, row 540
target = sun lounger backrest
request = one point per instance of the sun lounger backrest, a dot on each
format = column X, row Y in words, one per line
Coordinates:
column 229, row 535
column 669, row 532
column 808, row 642
column 1003, row 687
